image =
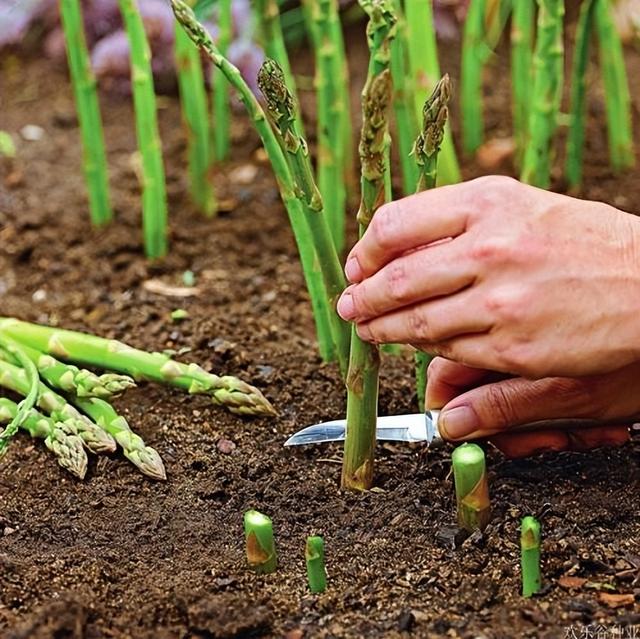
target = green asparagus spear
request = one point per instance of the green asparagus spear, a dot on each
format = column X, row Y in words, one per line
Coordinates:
column 71, row 379
column 193, row 98
column 316, row 573
column 425, row 70
column 58, row 437
column 530, row 556
column 93, row 437
column 616, row 88
column 575, row 136
column 364, row 361
column 282, row 109
column 521, row 55
column 133, row 447
column 425, row 150
column 260, row 545
column 84, row 87
column 221, row 104
column 472, row 489
column 546, row 94
column 293, row 205
column 154, row 196
column 89, row 350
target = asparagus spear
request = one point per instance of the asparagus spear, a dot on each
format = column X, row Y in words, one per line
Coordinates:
column 84, row 87
column 521, row 55
column 425, row 150
column 93, row 437
column 193, row 99
column 221, row 105
column 58, row 437
column 575, row 136
column 90, row 350
column 364, row 361
column 260, row 545
column 472, row 489
column 546, row 93
column 71, row 379
column 133, row 446
column 616, row 88
column 316, row 572
column 304, row 240
column 282, row 109
column 530, row 556
column 154, row 196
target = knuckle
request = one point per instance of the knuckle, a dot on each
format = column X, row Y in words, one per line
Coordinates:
column 492, row 250
column 384, row 225
column 398, row 282
column 420, row 326
column 517, row 358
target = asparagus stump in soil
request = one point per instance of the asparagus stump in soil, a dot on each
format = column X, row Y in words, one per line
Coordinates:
column 58, row 437
column 530, row 556
column 472, row 488
column 316, row 572
column 260, row 545
column 90, row 350
column 364, row 361
column 425, row 150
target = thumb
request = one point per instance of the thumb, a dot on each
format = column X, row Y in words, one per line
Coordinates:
column 494, row 408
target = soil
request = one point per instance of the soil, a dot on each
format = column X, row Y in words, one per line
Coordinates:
column 118, row 555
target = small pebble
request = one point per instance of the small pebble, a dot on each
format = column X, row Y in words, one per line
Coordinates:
column 39, row 296
column 244, row 174
column 32, row 132
column 226, row 446
column 9, row 531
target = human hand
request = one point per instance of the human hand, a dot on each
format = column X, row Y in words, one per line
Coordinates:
column 479, row 400
column 500, row 275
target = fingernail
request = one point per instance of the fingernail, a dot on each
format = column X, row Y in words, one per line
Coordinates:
column 346, row 308
column 458, row 422
column 352, row 270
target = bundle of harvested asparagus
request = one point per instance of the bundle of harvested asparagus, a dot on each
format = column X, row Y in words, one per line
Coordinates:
column 69, row 407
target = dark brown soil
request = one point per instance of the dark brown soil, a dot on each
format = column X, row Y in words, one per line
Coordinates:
column 118, row 555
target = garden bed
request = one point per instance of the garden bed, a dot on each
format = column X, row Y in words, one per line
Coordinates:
column 117, row 555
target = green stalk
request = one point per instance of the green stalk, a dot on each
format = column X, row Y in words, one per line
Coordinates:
column 364, row 361
column 332, row 103
column 282, row 109
column 93, row 437
column 576, row 134
column 616, row 88
column 426, row 150
column 316, row 572
column 193, row 99
column 90, row 350
column 521, row 57
column 403, row 100
column 472, row 489
column 221, row 102
column 260, row 545
column 88, row 108
column 304, row 240
column 154, row 196
column 425, row 71
column 58, row 438
column 30, row 389
column 71, row 379
column 473, row 57
column 530, row 556
column 546, row 94
column 135, row 450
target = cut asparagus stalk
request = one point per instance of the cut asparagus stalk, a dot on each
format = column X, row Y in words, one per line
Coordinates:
column 94, row 438
column 316, row 572
column 58, row 437
column 154, row 196
column 260, row 545
column 135, row 450
column 304, row 240
column 530, row 556
column 88, row 108
column 364, row 361
column 472, row 488
column 546, row 94
column 282, row 109
column 90, row 350
column 425, row 151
